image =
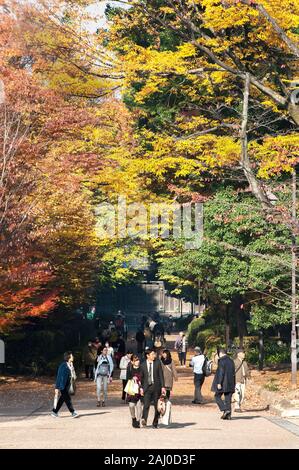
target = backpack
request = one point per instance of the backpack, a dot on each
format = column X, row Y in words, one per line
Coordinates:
column 104, row 369
column 207, row 367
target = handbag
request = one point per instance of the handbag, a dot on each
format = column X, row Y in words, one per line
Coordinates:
column 131, row 388
column 72, row 389
column 166, row 417
column 161, row 406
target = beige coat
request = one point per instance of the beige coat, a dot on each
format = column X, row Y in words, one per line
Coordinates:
column 170, row 374
column 242, row 371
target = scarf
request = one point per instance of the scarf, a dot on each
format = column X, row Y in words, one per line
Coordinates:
column 166, row 361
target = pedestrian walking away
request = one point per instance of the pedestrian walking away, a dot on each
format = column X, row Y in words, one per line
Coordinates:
column 140, row 338
column 169, row 371
column 152, row 382
column 120, row 350
column 197, row 362
column 89, row 358
column 134, row 397
column 103, row 376
column 224, row 383
column 242, row 374
column 125, row 361
column 64, row 378
column 181, row 346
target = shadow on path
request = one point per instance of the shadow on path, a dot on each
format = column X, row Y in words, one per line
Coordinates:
column 236, row 418
column 176, row 425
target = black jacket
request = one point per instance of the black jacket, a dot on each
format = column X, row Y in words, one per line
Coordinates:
column 225, row 375
column 157, row 373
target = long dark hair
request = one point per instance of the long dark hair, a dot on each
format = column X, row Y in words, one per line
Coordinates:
column 168, row 358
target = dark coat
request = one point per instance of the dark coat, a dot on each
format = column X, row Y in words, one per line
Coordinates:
column 63, row 379
column 140, row 336
column 225, row 375
column 157, row 373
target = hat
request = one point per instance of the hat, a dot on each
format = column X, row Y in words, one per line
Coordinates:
column 197, row 349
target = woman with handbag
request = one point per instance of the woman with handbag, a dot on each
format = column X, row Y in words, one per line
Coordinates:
column 169, row 371
column 124, row 362
column 65, row 384
column 133, row 391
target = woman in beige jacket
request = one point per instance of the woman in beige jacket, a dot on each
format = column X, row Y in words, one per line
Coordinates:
column 169, row 371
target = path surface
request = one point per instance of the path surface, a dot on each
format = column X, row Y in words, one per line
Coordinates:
column 25, row 421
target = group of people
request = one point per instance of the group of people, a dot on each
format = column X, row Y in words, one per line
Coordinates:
column 148, row 377
column 145, row 381
column 151, row 333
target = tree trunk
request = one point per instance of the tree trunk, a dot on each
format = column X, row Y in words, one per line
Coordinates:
column 261, row 350
column 293, row 109
column 255, row 185
column 294, row 286
column 227, row 327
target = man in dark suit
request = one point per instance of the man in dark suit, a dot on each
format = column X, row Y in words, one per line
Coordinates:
column 152, row 383
column 224, row 383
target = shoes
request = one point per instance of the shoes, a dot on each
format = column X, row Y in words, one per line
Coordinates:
column 195, row 402
column 155, row 425
column 98, row 404
column 75, row 415
column 103, row 403
column 54, row 415
column 143, row 423
column 135, row 423
column 226, row 415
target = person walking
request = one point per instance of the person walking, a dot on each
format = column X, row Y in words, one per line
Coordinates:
column 169, row 371
column 148, row 342
column 120, row 350
column 181, row 346
column 64, row 378
column 110, row 349
column 140, row 338
column 242, row 374
column 135, row 401
column 152, row 385
column 103, row 375
column 124, row 362
column 224, row 383
column 151, row 325
column 197, row 362
column 89, row 357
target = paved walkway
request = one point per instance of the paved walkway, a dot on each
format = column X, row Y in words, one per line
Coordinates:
column 25, row 422
column 195, row 427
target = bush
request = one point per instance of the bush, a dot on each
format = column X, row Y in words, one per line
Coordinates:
column 182, row 323
column 193, row 329
column 208, row 341
column 275, row 352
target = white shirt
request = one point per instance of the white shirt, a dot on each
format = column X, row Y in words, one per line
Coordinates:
column 148, row 369
column 197, row 363
column 124, row 362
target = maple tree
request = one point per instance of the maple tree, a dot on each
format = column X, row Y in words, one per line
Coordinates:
column 169, row 101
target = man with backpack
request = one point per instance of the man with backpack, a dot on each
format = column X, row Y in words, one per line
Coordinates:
column 199, row 363
column 103, row 375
